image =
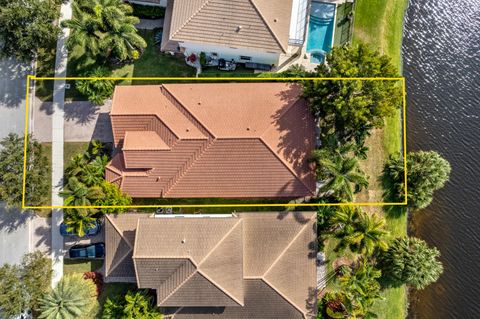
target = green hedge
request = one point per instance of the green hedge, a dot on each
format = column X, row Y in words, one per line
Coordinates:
column 148, row 12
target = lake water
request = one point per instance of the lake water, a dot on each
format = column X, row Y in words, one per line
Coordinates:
column 441, row 56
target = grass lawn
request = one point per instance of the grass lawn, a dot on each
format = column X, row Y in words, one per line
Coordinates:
column 71, row 149
column 152, row 63
column 73, row 266
column 380, row 23
column 47, row 149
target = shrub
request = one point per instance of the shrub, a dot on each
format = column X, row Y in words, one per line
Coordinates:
column 96, row 90
column 203, row 59
column 148, row 12
column 97, row 279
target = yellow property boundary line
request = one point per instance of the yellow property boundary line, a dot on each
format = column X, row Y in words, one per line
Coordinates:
column 279, row 79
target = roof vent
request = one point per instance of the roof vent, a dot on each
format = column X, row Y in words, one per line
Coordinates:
column 184, row 241
column 275, row 20
column 199, row 103
column 239, row 28
column 248, row 128
column 188, row 130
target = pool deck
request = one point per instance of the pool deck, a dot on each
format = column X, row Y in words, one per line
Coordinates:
column 301, row 56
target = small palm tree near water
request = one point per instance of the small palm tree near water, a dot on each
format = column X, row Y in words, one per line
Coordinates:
column 359, row 231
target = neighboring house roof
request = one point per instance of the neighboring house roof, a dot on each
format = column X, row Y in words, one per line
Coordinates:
column 252, row 265
column 212, row 140
column 255, row 24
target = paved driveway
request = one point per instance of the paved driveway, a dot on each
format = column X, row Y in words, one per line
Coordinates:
column 83, row 121
column 12, row 96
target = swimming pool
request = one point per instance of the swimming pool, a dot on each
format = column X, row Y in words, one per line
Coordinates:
column 320, row 30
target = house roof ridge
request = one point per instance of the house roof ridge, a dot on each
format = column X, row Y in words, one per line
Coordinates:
column 284, row 297
column 275, row 36
column 219, row 287
column 288, row 245
column 209, row 144
column 219, row 242
column 285, row 163
column 172, row 34
column 178, row 287
column 201, row 126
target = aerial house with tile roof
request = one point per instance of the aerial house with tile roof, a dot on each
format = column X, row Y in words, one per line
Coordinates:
column 216, row 140
column 259, row 31
column 242, row 266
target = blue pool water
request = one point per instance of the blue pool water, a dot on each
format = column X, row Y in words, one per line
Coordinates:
column 320, row 30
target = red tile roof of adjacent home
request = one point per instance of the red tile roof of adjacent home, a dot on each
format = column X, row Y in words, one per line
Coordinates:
column 212, row 140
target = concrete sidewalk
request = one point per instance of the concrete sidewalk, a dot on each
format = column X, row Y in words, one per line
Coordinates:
column 57, row 144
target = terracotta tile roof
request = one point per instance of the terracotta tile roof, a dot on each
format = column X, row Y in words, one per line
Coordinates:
column 143, row 141
column 255, row 24
column 243, row 140
column 255, row 265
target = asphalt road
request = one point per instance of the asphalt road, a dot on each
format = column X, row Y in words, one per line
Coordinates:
column 14, row 226
column 12, row 96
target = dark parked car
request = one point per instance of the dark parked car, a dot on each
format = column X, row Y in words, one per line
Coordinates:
column 88, row 232
column 91, row 251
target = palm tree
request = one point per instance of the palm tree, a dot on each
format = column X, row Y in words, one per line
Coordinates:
column 359, row 283
column 73, row 297
column 139, row 305
column 105, row 27
column 410, row 261
column 76, row 193
column 340, row 173
column 361, row 232
column 85, row 31
column 123, row 42
column 79, row 220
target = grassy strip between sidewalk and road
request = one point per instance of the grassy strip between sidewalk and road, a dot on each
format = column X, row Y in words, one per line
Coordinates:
column 380, row 23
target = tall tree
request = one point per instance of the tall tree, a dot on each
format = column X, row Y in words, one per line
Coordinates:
column 410, row 261
column 341, row 175
column 73, row 297
column 11, row 172
column 21, row 286
column 105, row 28
column 350, row 108
column 13, row 297
column 361, row 232
column 426, row 173
column 135, row 304
column 76, row 193
column 79, row 220
column 26, row 26
column 360, row 283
